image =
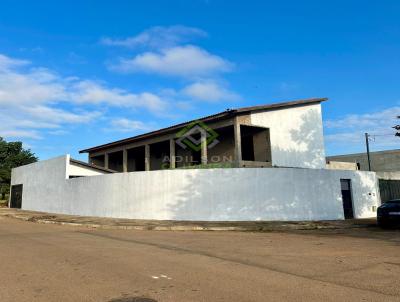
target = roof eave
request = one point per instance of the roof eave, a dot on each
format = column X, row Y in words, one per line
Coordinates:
column 91, row 166
column 221, row 115
column 283, row 104
column 215, row 117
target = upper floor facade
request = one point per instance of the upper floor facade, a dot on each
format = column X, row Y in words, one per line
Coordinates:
column 286, row 134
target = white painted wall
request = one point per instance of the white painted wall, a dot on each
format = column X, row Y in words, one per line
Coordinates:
column 296, row 135
column 196, row 194
column 388, row 175
column 78, row 170
column 341, row 165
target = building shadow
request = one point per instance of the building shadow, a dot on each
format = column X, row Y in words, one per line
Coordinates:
column 278, row 193
column 239, row 194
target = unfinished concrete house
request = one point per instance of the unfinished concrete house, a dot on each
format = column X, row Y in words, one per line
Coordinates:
column 255, row 163
column 285, row 134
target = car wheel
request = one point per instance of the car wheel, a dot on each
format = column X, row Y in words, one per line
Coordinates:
column 383, row 224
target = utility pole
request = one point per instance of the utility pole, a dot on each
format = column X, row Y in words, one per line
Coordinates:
column 367, row 143
column 397, row 128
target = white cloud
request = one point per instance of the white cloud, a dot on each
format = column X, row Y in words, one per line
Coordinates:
column 209, row 91
column 30, row 87
column 126, row 125
column 348, row 132
column 371, row 121
column 90, row 92
column 29, row 121
column 183, row 61
column 170, row 56
column 16, row 133
column 157, row 37
column 54, row 115
column 42, row 86
column 36, row 101
column 58, row 132
column 8, row 63
column 33, row 99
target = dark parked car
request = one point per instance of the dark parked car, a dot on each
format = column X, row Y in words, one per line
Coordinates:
column 389, row 213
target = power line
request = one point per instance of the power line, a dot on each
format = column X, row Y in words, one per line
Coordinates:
column 391, row 134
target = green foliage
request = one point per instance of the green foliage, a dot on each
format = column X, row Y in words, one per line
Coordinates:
column 12, row 155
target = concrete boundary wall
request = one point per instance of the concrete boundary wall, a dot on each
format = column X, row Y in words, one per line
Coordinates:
column 235, row 194
column 388, row 175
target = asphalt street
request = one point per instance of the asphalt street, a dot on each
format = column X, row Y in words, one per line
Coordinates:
column 63, row 263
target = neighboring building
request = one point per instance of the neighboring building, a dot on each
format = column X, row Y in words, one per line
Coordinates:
column 386, row 164
column 341, row 165
column 381, row 161
column 255, row 163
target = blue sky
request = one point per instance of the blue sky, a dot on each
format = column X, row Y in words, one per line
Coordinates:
column 75, row 74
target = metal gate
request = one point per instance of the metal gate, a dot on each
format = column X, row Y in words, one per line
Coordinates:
column 390, row 189
column 16, row 196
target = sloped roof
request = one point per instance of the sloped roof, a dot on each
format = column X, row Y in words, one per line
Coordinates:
column 91, row 166
column 210, row 118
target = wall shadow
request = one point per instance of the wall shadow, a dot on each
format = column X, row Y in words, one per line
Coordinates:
column 310, row 149
column 274, row 193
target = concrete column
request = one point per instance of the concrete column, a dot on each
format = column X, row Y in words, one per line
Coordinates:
column 203, row 148
column 125, row 160
column 147, row 157
column 260, row 146
column 238, row 142
column 106, row 160
column 172, row 161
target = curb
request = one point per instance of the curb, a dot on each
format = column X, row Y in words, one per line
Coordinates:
column 133, row 227
column 256, row 226
column 285, row 227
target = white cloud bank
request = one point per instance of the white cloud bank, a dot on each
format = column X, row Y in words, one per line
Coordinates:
column 34, row 98
column 184, row 61
column 90, row 92
column 7, row 62
column 168, row 53
column 347, row 133
column 209, row 91
column 157, row 37
column 127, row 125
column 166, row 56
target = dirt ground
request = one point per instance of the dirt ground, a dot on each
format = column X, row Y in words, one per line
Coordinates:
column 63, row 263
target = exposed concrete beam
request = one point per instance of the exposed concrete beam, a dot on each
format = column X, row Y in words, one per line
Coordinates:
column 172, row 160
column 244, row 119
column 125, row 160
column 147, row 157
column 158, row 139
column 203, row 148
column 238, row 143
column 106, row 160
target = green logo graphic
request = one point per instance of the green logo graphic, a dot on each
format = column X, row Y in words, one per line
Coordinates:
column 189, row 136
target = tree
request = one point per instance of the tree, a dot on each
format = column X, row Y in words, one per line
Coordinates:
column 12, row 155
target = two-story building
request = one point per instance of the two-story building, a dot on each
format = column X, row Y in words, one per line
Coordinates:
column 283, row 135
column 263, row 162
